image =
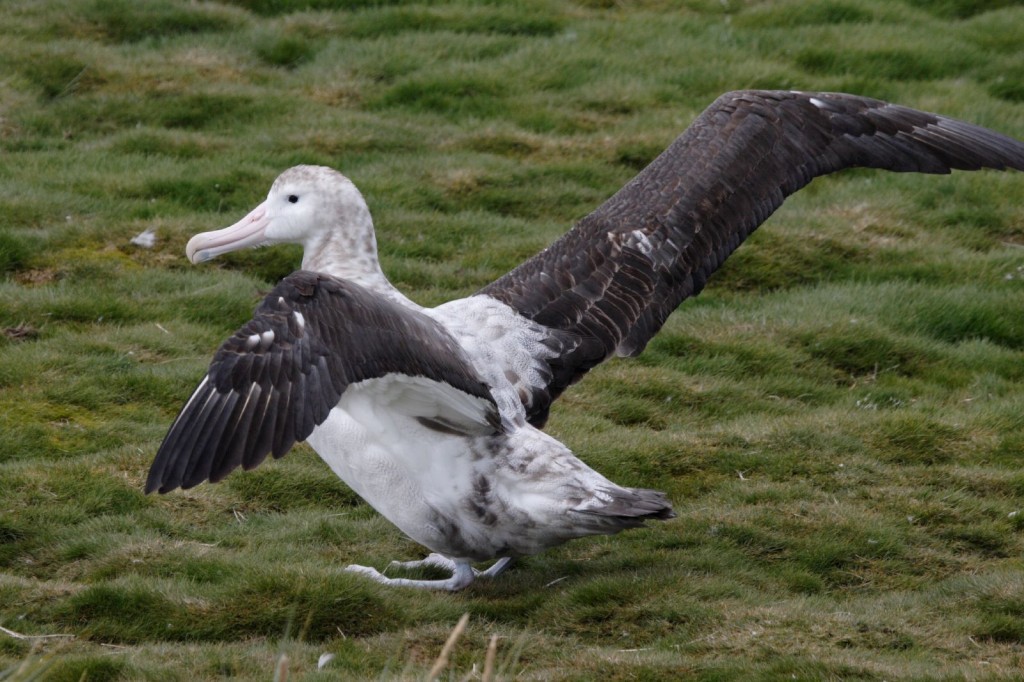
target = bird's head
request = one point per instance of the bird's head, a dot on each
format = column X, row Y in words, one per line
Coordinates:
column 304, row 205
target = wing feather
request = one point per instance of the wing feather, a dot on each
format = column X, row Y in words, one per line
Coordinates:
column 700, row 199
column 273, row 381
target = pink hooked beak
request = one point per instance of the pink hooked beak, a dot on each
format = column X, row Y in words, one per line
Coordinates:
column 249, row 231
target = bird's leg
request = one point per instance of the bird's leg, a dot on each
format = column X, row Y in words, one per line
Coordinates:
column 496, row 569
column 462, row 575
column 433, row 560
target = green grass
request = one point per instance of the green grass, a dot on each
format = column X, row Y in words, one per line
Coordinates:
column 838, row 418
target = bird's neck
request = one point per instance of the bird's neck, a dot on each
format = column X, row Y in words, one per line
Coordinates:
column 352, row 255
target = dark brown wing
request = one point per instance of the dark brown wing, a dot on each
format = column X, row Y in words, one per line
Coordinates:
column 610, row 283
column 280, row 375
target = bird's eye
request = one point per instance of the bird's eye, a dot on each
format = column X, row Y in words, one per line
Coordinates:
column 293, row 199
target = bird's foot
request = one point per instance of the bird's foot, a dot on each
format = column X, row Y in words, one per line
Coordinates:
column 496, row 569
column 433, row 560
column 462, row 575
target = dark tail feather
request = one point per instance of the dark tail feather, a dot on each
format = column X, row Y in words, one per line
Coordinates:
column 629, row 508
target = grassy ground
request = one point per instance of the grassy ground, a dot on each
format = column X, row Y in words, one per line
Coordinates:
column 838, row 418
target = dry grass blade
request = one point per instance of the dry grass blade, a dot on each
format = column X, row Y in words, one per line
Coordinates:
column 281, row 669
column 492, row 654
column 29, row 638
column 446, row 650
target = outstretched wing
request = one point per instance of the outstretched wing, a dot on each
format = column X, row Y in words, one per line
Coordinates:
column 280, row 375
column 609, row 284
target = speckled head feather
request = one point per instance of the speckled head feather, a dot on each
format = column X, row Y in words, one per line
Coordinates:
column 339, row 231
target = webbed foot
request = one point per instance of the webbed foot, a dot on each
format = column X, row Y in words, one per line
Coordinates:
column 462, row 575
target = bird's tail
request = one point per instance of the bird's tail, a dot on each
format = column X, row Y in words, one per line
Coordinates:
column 615, row 509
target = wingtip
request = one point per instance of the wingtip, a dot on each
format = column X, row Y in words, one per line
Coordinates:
column 157, row 486
column 156, row 480
column 152, row 482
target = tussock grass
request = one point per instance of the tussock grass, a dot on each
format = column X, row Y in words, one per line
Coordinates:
column 837, row 418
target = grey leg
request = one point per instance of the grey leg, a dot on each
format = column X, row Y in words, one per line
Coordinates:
column 496, row 569
column 433, row 560
column 462, row 575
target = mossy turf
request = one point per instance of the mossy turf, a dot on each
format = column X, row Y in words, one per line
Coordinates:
column 838, row 418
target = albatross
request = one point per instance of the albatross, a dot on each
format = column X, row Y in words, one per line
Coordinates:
column 434, row 415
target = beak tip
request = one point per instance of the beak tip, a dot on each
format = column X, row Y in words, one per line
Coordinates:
column 195, row 252
column 249, row 231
